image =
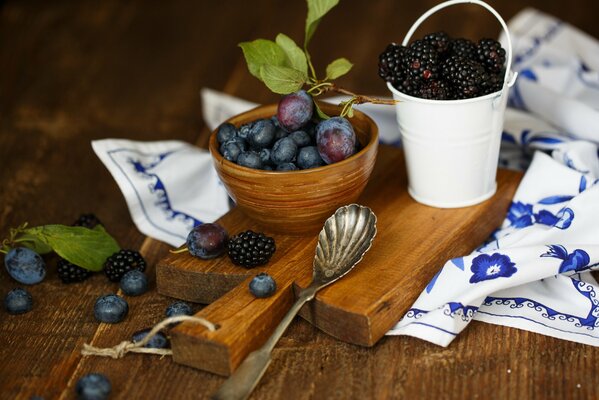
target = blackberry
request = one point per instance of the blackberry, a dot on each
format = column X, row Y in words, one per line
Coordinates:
column 439, row 40
column 250, row 249
column 421, row 61
column 87, row 221
column 491, row 83
column 490, row 54
column 391, row 64
column 122, row 262
column 409, row 87
column 69, row 273
column 462, row 48
column 464, row 76
column 435, row 90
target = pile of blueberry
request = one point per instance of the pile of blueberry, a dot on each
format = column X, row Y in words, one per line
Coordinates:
column 438, row 67
column 290, row 140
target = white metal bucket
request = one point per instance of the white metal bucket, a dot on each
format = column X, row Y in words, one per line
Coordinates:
column 452, row 146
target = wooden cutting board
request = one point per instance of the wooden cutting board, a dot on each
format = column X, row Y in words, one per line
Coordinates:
column 412, row 243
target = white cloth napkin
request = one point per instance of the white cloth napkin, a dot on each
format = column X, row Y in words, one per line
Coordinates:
column 533, row 273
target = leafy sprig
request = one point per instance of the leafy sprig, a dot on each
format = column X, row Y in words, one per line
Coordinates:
column 285, row 68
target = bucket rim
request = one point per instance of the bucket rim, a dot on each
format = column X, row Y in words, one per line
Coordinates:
column 489, row 96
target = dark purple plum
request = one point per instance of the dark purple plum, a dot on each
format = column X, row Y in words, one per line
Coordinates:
column 284, row 151
column 226, row 132
column 301, row 138
column 262, row 134
column 335, row 139
column 287, row 167
column 207, row 241
column 295, row 110
column 250, row 159
column 308, row 157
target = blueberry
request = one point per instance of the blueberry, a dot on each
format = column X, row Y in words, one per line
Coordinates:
column 275, row 121
column 267, row 168
column 295, row 110
column 25, row 266
column 287, row 167
column 111, row 309
column 134, row 283
column 308, row 157
column 336, row 139
column 18, row 301
column 263, row 285
column 207, row 241
column 301, row 138
column 93, row 387
column 231, row 150
column 262, row 134
column 284, row 151
column 178, row 308
column 249, row 159
column 158, row 341
column 265, row 157
column 226, row 132
column 280, row 133
column 241, row 143
column 244, row 130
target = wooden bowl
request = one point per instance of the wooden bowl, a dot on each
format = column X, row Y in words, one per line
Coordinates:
column 298, row 202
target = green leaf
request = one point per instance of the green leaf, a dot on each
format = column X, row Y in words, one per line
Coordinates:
column 316, row 10
column 34, row 243
column 87, row 248
column 339, row 67
column 296, row 58
column 282, row 80
column 262, row 52
column 320, row 113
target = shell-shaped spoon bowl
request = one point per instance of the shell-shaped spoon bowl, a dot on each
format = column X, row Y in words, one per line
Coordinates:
column 345, row 238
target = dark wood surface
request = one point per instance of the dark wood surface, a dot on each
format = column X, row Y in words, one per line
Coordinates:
column 73, row 71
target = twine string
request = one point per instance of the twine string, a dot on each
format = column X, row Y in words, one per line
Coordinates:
column 127, row 346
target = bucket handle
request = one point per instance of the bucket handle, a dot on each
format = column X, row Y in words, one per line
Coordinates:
column 484, row 5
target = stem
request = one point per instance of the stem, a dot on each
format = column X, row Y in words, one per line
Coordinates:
column 312, row 70
column 179, row 251
column 359, row 98
column 318, row 88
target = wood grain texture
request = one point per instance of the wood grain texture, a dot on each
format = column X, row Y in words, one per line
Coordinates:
column 298, row 202
column 71, row 72
column 413, row 240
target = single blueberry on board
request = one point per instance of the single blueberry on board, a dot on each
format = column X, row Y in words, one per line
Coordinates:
column 134, row 283
column 226, row 132
column 284, row 151
column 262, row 134
column 287, row 167
column 93, row 387
column 158, row 341
column 25, row 266
column 485, row 267
column 301, row 138
column 178, row 308
column 249, row 159
column 207, row 241
column 263, row 285
column 309, row 157
column 111, row 309
column 18, row 301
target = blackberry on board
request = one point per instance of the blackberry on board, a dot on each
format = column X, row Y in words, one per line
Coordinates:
column 421, row 61
column 70, row 273
column 490, row 54
column 122, row 262
column 87, row 221
column 250, row 249
column 439, row 40
column 464, row 76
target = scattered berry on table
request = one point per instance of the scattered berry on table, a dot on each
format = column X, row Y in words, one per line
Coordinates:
column 25, row 265
column 178, row 308
column 295, row 110
column 226, row 132
column 18, row 301
column 134, row 283
column 93, row 387
column 335, row 139
column 158, row 341
column 250, row 159
column 284, row 151
column 250, row 249
column 207, row 241
column 490, row 54
column 110, row 308
column 122, row 262
column 70, row 273
column 263, row 285
column 309, row 157
column 287, row 167
column 301, row 138
column 262, row 134
column 87, row 221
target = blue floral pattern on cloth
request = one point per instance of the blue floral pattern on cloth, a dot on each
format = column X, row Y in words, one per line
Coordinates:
column 485, row 267
column 577, row 261
column 522, row 215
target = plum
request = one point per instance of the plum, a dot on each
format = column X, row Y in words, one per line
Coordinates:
column 207, row 241
column 295, row 110
column 335, row 139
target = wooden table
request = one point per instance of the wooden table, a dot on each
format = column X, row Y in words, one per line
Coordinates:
column 77, row 71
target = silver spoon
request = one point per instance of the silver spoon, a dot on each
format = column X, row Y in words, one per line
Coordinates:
column 345, row 238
